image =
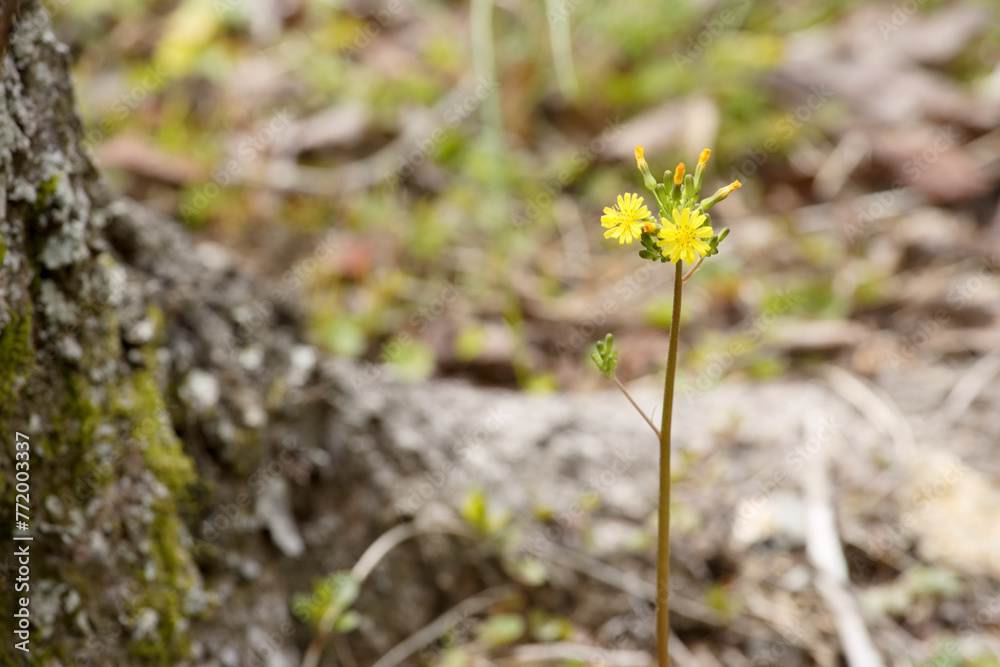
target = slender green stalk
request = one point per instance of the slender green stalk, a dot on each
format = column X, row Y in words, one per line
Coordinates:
column 635, row 405
column 562, row 48
column 484, row 61
column 485, row 65
column 693, row 269
column 663, row 536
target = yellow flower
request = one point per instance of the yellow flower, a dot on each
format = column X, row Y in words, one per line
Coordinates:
column 684, row 237
column 679, row 174
column 704, row 157
column 624, row 221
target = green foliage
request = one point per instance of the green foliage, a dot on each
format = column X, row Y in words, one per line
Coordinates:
column 606, row 356
column 722, row 600
column 330, row 603
column 17, row 356
column 545, row 627
column 526, row 571
column 455, row 657
column 919, row 584
column 477, row 513
column 500, row 629
column 413, row 362
column 636, row 57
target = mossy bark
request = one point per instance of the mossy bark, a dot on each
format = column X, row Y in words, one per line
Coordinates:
column 183, row 438
column 103, row 316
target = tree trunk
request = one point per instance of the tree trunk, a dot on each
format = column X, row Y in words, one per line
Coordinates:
column 192, row 462
column 158, row 390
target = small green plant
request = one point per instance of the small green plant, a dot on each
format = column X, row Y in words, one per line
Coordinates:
column 680, row 233
column 328, row 609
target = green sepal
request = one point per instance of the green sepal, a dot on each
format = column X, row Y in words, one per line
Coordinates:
column 649, row 247
column 661, row 199
column 606, row 357
column 689, row 190
column 713, row 243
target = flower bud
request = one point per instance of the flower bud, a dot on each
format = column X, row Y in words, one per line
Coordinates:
column 719, row 195
column 700, row 169
column 647, row 178
column 679, row 174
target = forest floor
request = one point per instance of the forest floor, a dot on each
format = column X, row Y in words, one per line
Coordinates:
column 438, row 217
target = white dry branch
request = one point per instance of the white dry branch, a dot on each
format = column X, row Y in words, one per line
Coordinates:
column 824, row 550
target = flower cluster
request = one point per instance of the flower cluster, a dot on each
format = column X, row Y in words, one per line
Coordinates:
column 683, row 229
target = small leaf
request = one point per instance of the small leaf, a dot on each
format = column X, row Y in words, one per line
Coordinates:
column 470, row 343
column 548, row 628
column 501, row 629
column 345, row 589
column 474, row 509
column 527, row 571
column 606, row 357
column 412, row 361
column 454, row 657
column 347, row 622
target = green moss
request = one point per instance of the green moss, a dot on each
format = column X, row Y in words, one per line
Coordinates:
column 17, row 358
column 175, row 574
column 163, row 451
column 139, row 405
column 44, row 193
column 133, row 405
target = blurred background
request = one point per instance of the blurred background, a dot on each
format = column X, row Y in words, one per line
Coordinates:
column 454, row 160
column 428, row 178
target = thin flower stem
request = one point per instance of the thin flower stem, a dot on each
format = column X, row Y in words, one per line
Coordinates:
column 636, row 405
column 693, row 269
column 663, row 536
